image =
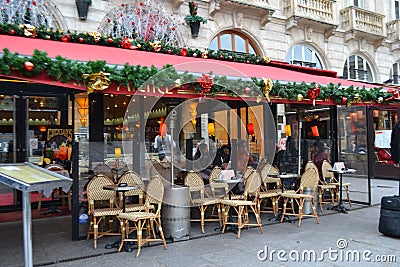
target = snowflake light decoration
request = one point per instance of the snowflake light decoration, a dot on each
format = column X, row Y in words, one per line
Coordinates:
column 144, row 20
column 33, row 12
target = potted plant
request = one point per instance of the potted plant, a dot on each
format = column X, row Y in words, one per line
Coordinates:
column 194, row 20
column 83, row 8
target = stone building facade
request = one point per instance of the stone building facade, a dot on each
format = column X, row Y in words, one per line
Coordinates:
column 334, row 30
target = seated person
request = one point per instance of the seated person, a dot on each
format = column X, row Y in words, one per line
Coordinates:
column 353, row 147
column 244, row 158
column 203, row 161
column 320, row 157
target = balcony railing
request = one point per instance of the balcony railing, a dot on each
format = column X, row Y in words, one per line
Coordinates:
column 317, row 10
column 354, row 18
column 393, row 30
column 255, row 3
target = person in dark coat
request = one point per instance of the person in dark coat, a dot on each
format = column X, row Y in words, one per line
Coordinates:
column 395, row 145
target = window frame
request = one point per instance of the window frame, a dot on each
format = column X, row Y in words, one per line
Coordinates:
column 354, row 73
column 315, row 57
column 248, row 42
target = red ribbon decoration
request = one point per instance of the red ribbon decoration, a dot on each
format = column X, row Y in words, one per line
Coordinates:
column 395, row 95
column 206, row 82
column 125, row 43
column 313, row 93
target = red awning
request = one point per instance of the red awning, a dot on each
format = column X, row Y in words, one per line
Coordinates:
column 112, row 55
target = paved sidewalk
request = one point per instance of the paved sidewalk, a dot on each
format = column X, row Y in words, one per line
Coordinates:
column 52, row 245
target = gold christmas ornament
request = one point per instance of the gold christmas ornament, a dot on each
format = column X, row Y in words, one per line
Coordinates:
column 156, row 45
column 379, row 100
column 267, row 59
column 356, row 99
column 300, row 97
column 178, row 83
column 96, row 36
column 204, row 53
column 29, row 30
column 97, row 81
column 268, row 84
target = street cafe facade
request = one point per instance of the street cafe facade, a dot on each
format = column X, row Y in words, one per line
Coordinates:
column 112, row 97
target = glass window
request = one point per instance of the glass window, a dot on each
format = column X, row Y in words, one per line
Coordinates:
column 357, row 68
column 304, row 56
column 358, row 3
column 396, row 9
column 233, row 41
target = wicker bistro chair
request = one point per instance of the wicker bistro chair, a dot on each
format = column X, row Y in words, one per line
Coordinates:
column 145, row 219
column 132, row 178
column 218, row 190
column 200, row 198
column 328, row 174
column 326, row 184
column 241, row 207
column 96, row 193
column 271, row 189
column 309, row 179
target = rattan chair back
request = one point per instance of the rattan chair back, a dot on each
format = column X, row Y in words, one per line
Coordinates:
column 154, row 193
column 195, row 183
column 309, row 179
column 266, row 173
column 132, row 178
column 247, row 173
column 325, row 173
column 215, row 174
column 95, row 191
column 253, row 184
column 312, row 165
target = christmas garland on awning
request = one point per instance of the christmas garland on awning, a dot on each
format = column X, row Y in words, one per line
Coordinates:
column 100, row 74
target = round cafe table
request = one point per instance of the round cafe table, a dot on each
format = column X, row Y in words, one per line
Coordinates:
column 120, row 188
column 341, row 207
column 123, row 189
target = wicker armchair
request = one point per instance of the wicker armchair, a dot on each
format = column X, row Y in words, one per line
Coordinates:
column 241, row 207
column 327, row 184
column 96, row 193
column 335, row 182
column 145, row 219
column 309, row 179
column 200, row 198
column 271, row 189
column 132, row 178
column 218, row 190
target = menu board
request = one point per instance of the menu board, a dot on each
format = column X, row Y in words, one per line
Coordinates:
column 382, row 138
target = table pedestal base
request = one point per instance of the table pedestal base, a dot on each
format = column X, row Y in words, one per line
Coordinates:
column 278, row 217
column 340, row 207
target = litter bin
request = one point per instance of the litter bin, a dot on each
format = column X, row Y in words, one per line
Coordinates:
column 176, row 212
column 307, row 208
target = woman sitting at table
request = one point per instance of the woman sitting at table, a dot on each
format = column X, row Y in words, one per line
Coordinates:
column 243, row 156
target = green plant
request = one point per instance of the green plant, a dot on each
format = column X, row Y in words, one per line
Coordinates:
column 193, row 17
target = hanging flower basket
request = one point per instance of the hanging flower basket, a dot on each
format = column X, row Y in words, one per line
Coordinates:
column 83, row 8
column 194, row 28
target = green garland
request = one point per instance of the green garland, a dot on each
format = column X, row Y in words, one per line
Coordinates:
column 65, row 70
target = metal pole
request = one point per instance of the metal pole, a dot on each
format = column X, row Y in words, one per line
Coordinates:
column 27, row 226
column 299, row 154
column 172, row 125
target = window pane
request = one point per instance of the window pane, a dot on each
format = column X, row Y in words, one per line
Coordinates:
column 226, row 42
column 318, row 62
column 369, row 74
column 214, row 44
column 396, row 9
column 251, row 49
column 345, row 72
column 308, row 54
column 297, row 51
column 240, row 44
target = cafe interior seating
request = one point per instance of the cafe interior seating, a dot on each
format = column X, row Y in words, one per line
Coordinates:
column 145, row 219
column 326, row 185
column 103, row 168
column 96, row 195
column 58, row 192
column 242, row 207
column 309, row 179
column 270, row 189
column 335, row 182
column 201, row 199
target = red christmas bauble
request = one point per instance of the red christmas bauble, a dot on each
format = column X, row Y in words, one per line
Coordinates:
column 344, row 100
column 169, row 51
column 247, row 90
column 12, row 32
column 28, row 66
column 64, row 39
column 80, row 39
column 110, row 40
